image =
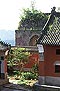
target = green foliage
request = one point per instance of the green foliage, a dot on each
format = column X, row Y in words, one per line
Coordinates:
column 18, row 56
column 22, row 82
column 32, row 18
column 55, row 26
column 16, row 73
column 35, row 68
column 10, row 57
column 25, row 75
column 29, row 75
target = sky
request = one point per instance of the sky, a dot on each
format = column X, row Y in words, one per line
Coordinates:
column 10, row 11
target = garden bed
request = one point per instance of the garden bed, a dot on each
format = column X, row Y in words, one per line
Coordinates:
column 23, row 78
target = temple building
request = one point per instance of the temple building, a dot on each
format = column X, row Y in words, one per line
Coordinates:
column 49, row 64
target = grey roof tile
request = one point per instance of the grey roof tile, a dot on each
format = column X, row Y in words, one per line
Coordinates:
column 51, row 31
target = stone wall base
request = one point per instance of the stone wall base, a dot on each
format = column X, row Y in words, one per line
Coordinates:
column 49, row 80
column 41, row 80
column 38, row 87
column 4, row 81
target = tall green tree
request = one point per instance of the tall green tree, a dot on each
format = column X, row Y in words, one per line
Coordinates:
column 32, row 19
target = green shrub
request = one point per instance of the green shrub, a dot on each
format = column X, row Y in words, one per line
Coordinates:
column 16, row 72
column 35, row 68
column 24, row 82
column 29, row 75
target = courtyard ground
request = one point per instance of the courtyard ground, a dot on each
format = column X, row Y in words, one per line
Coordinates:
column 14, row 85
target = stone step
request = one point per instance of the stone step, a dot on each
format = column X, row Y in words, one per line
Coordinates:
column 38, row 87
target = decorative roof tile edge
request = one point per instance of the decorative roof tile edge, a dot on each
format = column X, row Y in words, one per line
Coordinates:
column 5, row 44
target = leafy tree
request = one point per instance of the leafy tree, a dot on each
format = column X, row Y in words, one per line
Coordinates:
column 32, row 19
column 18, row 56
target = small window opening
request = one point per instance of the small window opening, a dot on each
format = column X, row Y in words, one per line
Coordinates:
column 57, row 68
column 58, row 51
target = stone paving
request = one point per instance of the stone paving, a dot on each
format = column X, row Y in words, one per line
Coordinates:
column 13, row 87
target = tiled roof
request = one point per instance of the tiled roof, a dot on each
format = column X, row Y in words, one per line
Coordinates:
column 4, row 45
column 51, row 31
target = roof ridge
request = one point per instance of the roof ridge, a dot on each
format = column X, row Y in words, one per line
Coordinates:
column 44, row 30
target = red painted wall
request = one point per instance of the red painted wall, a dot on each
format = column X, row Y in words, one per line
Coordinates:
column 47, row 68
column 33, row 58
column 41, row 68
